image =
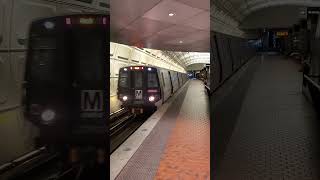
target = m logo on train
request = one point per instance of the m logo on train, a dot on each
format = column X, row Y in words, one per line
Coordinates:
column 91, row 100
column 138, row 94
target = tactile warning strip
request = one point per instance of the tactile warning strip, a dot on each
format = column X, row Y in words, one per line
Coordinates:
column 144, row 163
column 275, row 137
column 187, row 154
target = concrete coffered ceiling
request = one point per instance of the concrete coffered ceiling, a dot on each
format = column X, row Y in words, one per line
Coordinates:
column 174, row 25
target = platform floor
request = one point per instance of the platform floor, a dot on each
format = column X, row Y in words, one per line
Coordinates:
column 178, row 147
column 277, row 132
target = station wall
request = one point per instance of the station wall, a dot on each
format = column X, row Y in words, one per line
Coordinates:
column 231, row 71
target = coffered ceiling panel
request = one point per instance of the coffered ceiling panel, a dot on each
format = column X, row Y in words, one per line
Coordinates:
column 161, row 24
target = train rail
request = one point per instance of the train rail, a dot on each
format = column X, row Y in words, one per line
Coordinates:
column 52, row 166
column 43, row 164
column 123, row 124
column 24, row 166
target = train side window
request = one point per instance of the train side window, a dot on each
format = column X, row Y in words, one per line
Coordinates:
column 152, row 80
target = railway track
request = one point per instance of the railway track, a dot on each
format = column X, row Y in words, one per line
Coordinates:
column 43, row 164
column 52, row 166
column 122, row 126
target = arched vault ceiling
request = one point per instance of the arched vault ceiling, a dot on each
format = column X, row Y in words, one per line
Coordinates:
column 187, row 58
column 239, row 9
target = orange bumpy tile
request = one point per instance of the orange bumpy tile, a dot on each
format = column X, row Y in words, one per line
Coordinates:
column 187, row 153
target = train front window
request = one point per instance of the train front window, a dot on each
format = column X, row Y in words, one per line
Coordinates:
column 152, row 80
column 43, row 66
column 87, row 47
column 138, row 79
column 123, row 79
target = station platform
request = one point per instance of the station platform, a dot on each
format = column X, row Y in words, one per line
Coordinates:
column 174, row 143
column 277, row 131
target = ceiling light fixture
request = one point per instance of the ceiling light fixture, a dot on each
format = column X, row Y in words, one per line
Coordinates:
column 171, row 14
column 180, row 42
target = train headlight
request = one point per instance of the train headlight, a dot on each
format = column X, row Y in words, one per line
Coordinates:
column 151, row 98
column 48, row 115
column 124, row 98
column 49, row 25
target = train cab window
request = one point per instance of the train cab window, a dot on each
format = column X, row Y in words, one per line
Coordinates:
column 123, row 79
column 152, row 80
column 43, row 55
column 88, row 62
column 138, row 79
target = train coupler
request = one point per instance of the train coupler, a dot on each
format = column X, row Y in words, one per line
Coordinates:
column 137, row 110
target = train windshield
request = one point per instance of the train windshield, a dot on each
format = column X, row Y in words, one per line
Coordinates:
column 78, row 54
column 138, row 79
column 43, row 56
column 87, row 45
column 152, row 80
column 123, row 79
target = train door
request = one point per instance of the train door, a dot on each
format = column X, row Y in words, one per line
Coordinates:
column 170, row 82
column 88, row 74
column 163, row 87
column 179, row 82
column 138, row 77
column 166, row 84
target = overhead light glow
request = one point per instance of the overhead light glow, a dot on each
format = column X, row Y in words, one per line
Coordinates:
column 180, row 42
column 125, row 69
column 171, row 14
column 124, row 98
column 149, row 69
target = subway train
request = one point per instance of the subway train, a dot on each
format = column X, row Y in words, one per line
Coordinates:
column 66, row 91
column 145, row 88
column 15, row 20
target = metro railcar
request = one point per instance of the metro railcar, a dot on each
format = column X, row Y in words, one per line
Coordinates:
column 66, row 91
column 145, row 88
